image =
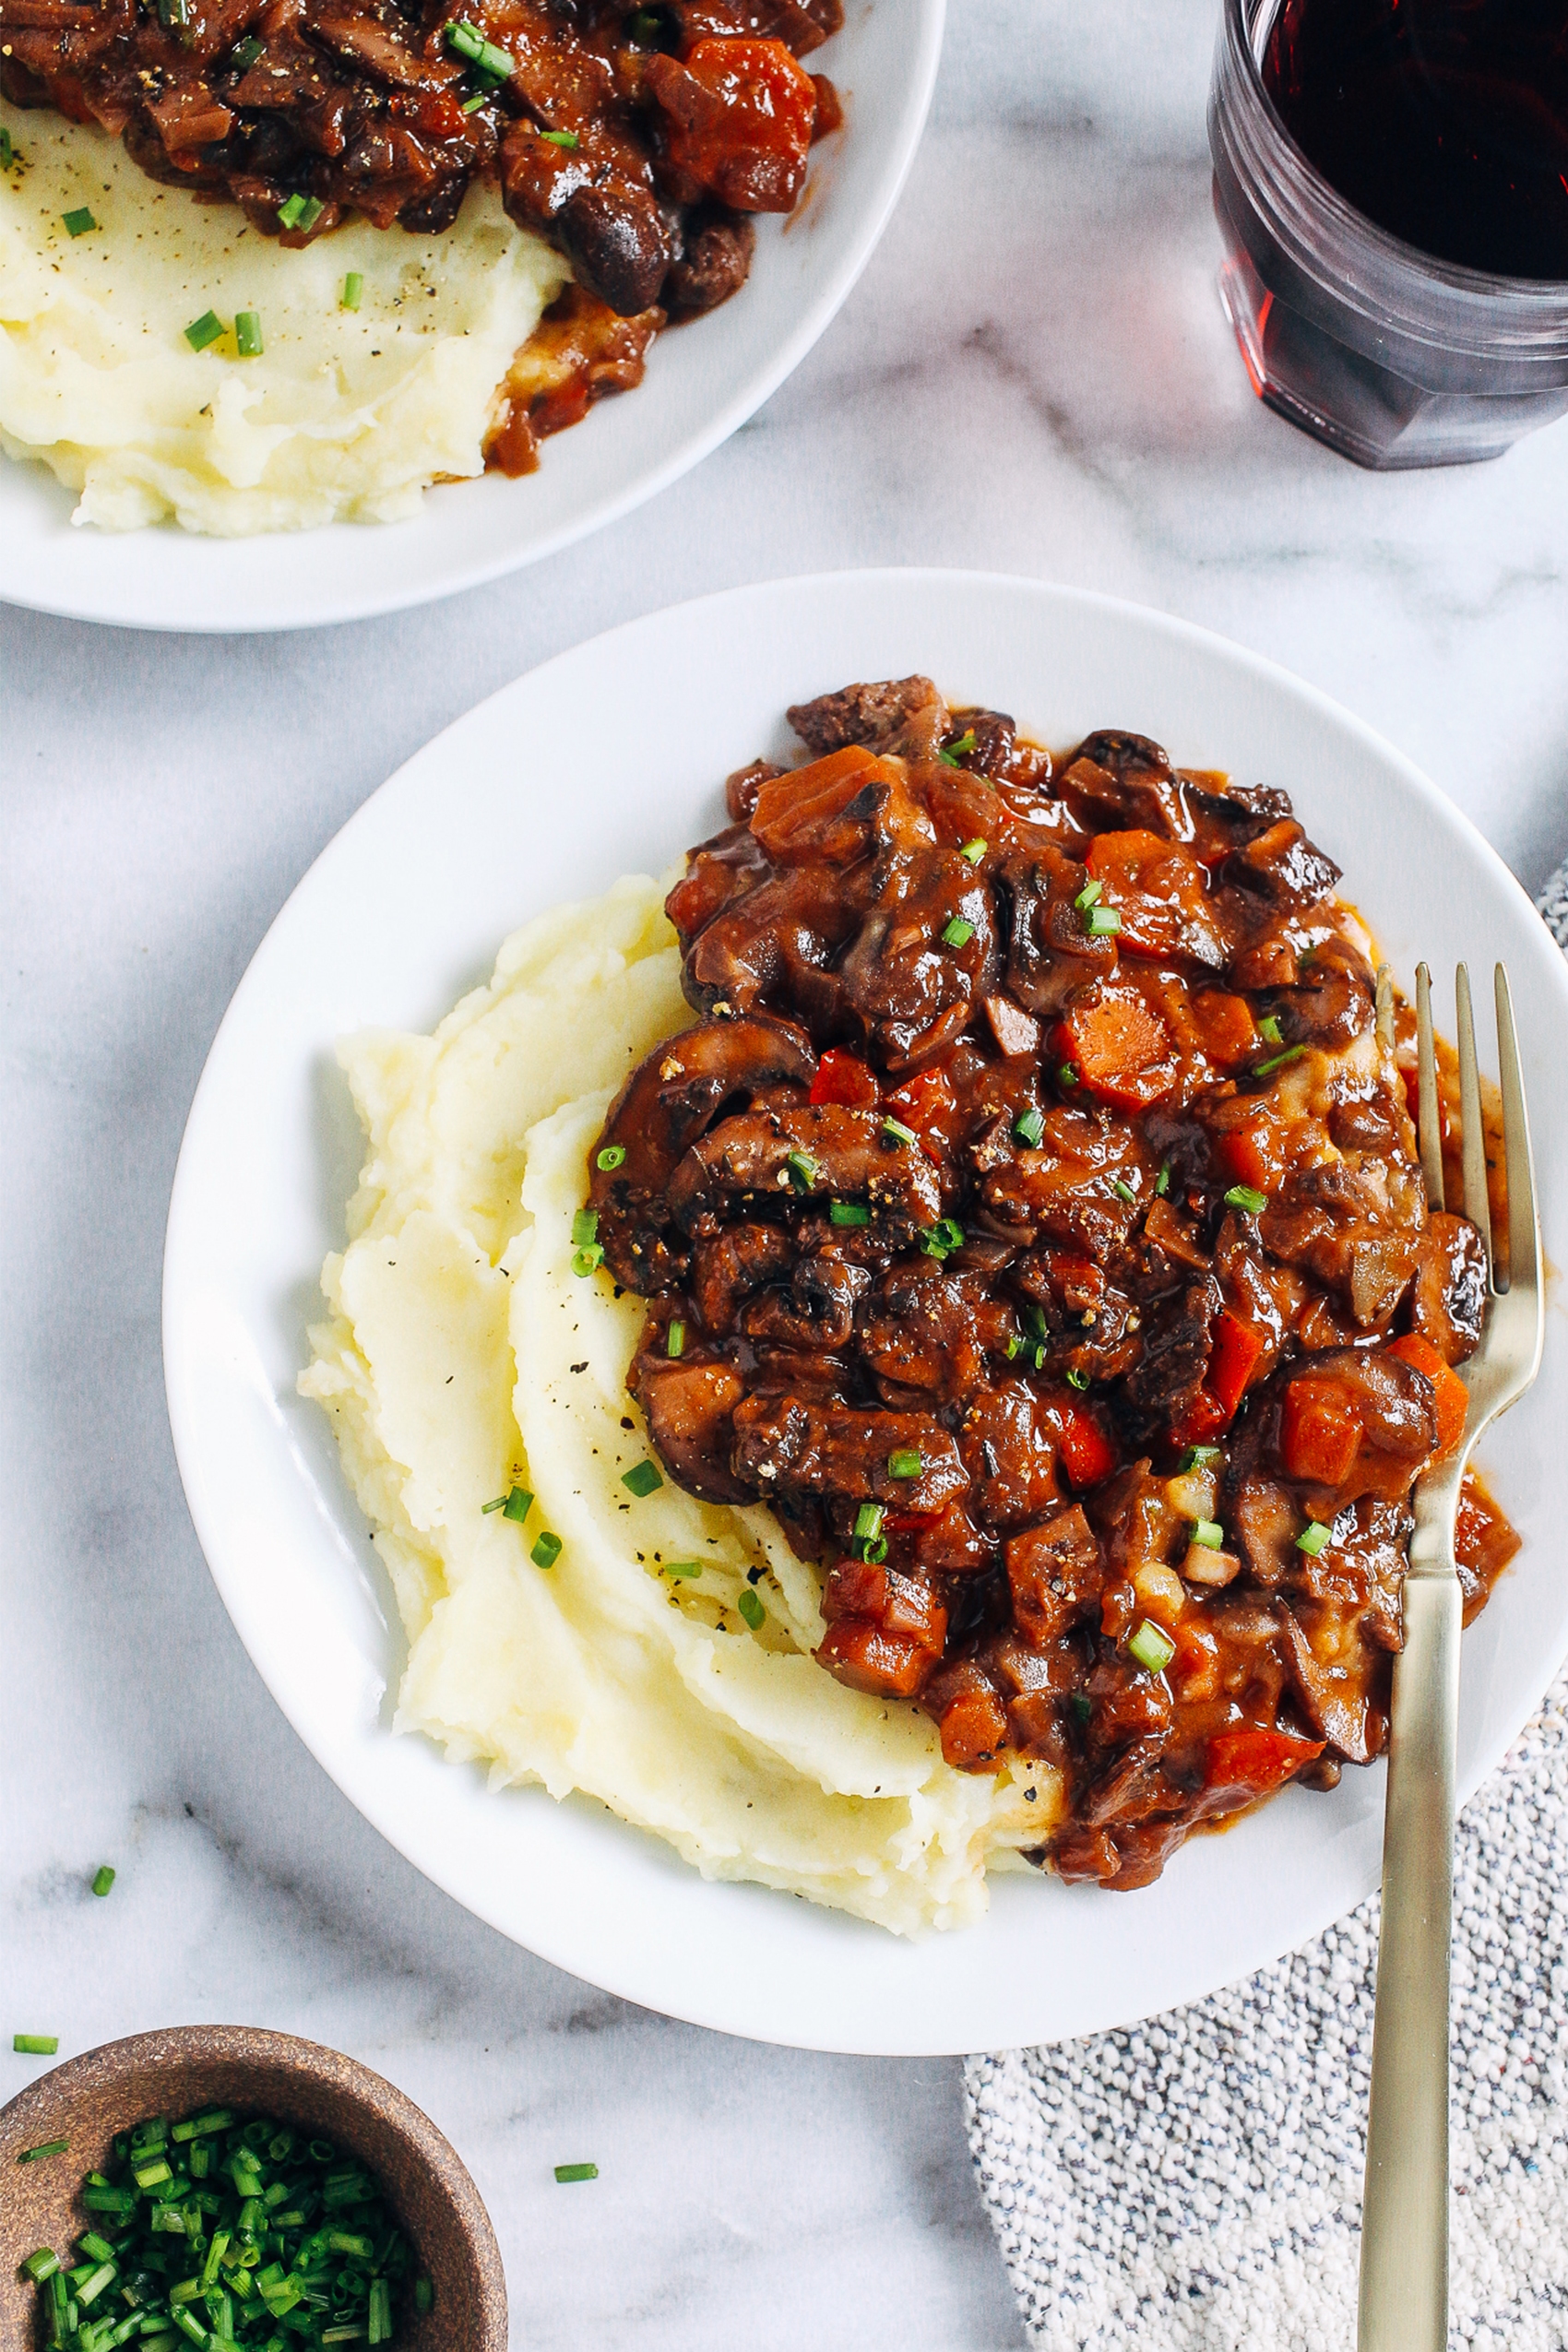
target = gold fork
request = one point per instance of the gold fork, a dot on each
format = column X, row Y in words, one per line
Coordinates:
column 1404, row 2296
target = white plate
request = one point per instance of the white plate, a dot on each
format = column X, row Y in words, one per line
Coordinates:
column 606, row 760
column 703, row 381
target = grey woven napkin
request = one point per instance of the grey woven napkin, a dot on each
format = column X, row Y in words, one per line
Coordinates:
column 1195, row 2182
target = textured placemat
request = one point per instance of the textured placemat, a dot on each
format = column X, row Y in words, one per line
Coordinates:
column 1196, row 2181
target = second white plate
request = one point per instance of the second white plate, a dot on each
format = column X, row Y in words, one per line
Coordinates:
column 702, row 382
column 607, row 760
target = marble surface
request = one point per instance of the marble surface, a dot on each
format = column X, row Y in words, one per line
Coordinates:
column 1034, row 377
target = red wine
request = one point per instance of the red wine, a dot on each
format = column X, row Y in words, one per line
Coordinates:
column 1444, row 121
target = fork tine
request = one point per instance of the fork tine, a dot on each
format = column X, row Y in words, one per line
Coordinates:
column 1523, row 1223
column 1477, row 1208
column 1429, row 1124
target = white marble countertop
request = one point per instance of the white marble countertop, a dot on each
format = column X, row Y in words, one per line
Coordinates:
column 1033, row 376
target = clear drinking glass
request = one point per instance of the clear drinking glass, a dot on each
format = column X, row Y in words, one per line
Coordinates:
column 1385, row 353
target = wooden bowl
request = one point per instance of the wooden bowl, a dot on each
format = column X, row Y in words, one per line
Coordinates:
column 92, row 2098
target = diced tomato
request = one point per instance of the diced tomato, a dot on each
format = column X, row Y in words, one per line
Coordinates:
column 739, row 116
column 1252, row 1761
column 1237, row 1347
column 842, row 1078
column 1226, row 1025
column 802, row 814
column 887, row 1665
column 1156, row 888
column 1319, row 1432
column 1087, row 1452
column 1449, row 1392
column 1118, row 1046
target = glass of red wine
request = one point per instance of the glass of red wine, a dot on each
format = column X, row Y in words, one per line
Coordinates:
column 1391, row 182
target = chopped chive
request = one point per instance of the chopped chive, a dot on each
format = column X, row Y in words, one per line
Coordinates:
column 1029, row 1125
column 424, row 2295
column 1277, row 1061
column 1014, row 1345
column 961, row 746
column 546, row 1551
column 610, row 1157
column 42, row 2265
column 35, row 2045
column 752, row 1609
column 896, row 1128
column 471, row 105
column 848, row 1213
column 102, row 1879
column 7, row 152
column 675, row 1339
column 876, row 1551
column 204, row 330
column 1201, row 1458
column 1151, row 1646
column 565, row 2172
column 1089, row 897
column 585, row 1226
column 905, row 1462
column 684, row 1567
column 940, row 1241
column 517, row 1505
column 1244, row 1196
column 245, row 52
column 803, row 1170
column 1124, row 1190
column 1081, row 1704
column 1208, row 1535
column 1162, row 1182
column 91, row 2287
column 1313, row 1538
column 867, row 1522
column 248, row 334
column 380, row 2311
column 50, row 2149
column 353, row 287
column 77, row 223
column 1103, row 921
column 568, row 139
column 467, row 40
column 499, row 1505
column 974, row 851
column 957, row 933
column 149, row 2176
column 1268, row 1029
column 1076, row 1379
column 1067, row 1073
column 643, row 1478
column 99, row 2248
column 586, row 1262
column 299, row 211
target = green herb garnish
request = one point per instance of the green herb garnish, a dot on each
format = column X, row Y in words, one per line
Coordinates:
column 1029, row 1125
column 974, row 851
column 752, row 1609
column 546, row 1549
column 35, row 2045
column 565, row 2172
column 848, row 1213
column 77, row 223
column 960, row 747
column 204, row 330
column 1246, row 1197
column 905, row 1462
column 612, row 1156
column 248, row 334
column 1151, row 1646
column 675, row 1339
column 957, row 933
column 103, row 1878
column 467, row 40
column 1314, row 1539
column 301, row 211
column 642, row 1479
column 568, row 139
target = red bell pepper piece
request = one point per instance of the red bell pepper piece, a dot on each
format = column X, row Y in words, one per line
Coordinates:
column 840, row 1077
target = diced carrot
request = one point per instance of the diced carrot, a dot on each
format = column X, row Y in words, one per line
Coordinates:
column 802, row 814
column 1237, row 1347
column 840, row 1077
column 1086, row 1449
column 1226, row 1025
column 1243, row 1153
column 928, row 1104
column 1155, row 886
column 1203, row 1421
column 1252, row 1762
column 1319, row 1432
column 1118, row 1046
column 887, row 1665
column 1449, row 1392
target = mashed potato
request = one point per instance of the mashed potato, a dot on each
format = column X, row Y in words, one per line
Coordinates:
column 464, row 1357
column 347, row 415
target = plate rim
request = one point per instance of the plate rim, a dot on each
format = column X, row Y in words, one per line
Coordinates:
column 186, row 615
column 558, row 1950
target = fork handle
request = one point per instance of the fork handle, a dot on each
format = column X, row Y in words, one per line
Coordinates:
column 1404, row 2292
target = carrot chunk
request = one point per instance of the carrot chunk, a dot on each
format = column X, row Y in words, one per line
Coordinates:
column 1088, row 1452
column 887, row 1665
column 1252, row 1761
column 1118, row 1046
column 1156, row 888
column 1449, row 1392
column 1319, row 1432
column 806, row 813
column 1237, row 1347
